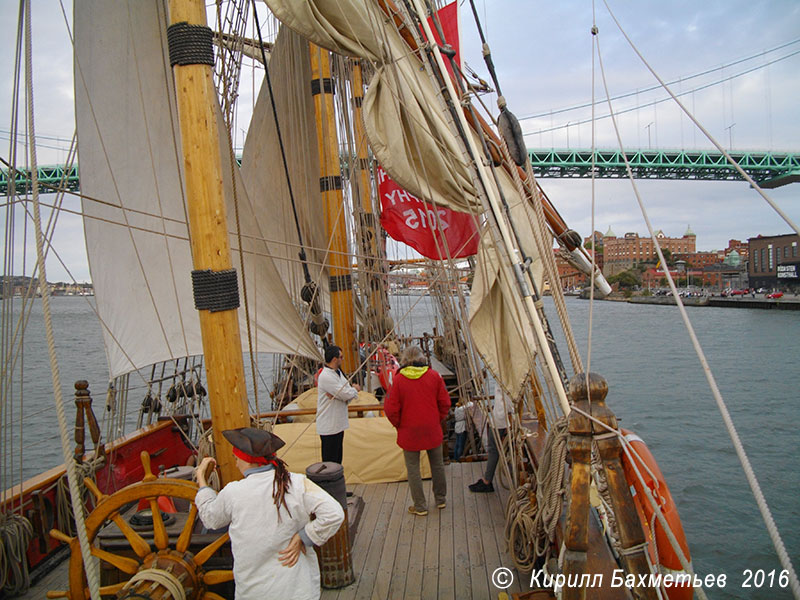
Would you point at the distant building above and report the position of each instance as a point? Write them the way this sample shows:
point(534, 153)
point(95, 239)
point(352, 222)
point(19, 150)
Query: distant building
point(700, 260)
point(743, 248)
point(621, 254)
point(723, 275)
point(774, 262)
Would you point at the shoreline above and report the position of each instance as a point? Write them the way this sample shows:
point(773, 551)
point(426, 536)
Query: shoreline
point(736, 302)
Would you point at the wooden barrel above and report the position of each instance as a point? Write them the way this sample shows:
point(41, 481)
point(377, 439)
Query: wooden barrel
point(335, 560)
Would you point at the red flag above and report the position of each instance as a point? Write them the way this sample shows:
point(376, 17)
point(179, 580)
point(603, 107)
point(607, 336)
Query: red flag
point(424, 227)
point(448, 19)
point(408, 219)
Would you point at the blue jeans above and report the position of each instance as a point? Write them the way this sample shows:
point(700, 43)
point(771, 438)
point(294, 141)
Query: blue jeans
point(461, 439)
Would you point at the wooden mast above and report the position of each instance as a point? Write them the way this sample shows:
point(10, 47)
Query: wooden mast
point(208, 230)
point(378, 322)
point(330, 181)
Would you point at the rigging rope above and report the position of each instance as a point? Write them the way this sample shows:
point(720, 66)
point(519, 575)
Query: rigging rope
point(90, 564)
point(731, 428)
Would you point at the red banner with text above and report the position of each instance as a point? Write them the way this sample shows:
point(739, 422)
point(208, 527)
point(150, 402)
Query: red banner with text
point(424, 227)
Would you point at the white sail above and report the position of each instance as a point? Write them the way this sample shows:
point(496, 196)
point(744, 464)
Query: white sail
point(264, 171)
point(137, 236)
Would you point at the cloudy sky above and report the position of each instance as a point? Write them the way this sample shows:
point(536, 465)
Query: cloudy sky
point(737, 64)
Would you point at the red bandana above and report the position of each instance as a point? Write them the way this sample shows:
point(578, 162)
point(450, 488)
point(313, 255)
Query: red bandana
point(259, 460)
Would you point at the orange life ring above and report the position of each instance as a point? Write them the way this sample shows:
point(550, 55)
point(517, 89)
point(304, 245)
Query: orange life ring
point(387, 366)
point(654, 531)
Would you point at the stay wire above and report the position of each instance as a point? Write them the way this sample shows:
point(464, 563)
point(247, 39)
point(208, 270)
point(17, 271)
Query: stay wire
point(731, 428)
point(90, 564)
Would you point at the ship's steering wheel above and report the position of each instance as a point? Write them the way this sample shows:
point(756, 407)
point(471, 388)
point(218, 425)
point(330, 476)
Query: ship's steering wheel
point(178, 572)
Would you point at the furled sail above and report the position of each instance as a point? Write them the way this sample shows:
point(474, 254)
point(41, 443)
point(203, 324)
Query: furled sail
point(137, 234)
point(414, 142)
point(264, 173)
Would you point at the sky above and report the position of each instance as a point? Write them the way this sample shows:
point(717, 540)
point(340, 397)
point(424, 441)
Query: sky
point(544, 57)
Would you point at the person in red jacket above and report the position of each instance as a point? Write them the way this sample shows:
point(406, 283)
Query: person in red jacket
point(416, 406)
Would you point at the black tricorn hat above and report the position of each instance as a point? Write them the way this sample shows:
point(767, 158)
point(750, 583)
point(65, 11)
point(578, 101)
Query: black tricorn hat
point(252, 441)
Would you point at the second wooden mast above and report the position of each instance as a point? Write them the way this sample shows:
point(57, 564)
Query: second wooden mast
point(338, 254)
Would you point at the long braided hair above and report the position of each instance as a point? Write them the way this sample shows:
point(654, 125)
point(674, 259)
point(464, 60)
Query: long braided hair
point(280, 485)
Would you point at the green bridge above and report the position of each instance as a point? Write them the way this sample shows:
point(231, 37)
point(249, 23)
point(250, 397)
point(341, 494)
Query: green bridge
point(768, 169)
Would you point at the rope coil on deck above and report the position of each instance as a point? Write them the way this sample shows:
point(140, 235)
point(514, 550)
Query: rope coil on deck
point(530, 527)
point(16, 532)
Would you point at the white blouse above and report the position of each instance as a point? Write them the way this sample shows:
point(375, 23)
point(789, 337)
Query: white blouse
point(258, 533)
point(333, 395)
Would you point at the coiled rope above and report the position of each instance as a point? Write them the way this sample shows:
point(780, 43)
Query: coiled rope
point(16, 532)
point(158, 577)
point(521, 515)
point(530, 530)
point(90, 564)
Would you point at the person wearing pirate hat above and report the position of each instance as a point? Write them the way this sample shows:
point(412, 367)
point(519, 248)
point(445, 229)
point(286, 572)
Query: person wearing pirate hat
point(269, 541)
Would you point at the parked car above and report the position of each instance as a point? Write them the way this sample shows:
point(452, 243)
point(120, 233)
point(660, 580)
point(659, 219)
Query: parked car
point(738, 292)
point(762, 290)
point(775, 295)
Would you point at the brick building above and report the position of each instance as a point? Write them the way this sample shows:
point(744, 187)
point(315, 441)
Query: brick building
point(571, 277)
point(774, 262)
point(699, 260)
point(621, 254)
point(743, 248)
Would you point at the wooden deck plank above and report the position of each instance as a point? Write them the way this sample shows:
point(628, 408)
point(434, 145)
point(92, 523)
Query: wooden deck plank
point(380, 562)
point(423, 527)
point(378, 535)
point(364, 539)
point(463, 584)
point(477, 560)
point(486, 526)
point(388, 549)
point(56, 579)
point(403, 549)
point(497, 509)
point(437, 578)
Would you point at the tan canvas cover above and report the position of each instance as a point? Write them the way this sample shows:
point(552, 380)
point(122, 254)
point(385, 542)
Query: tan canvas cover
point(371, 453)
point(137, 241)
point(308, 400)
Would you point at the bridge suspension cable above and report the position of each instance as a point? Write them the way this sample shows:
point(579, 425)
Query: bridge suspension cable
point(679, 80)
point(654, 102)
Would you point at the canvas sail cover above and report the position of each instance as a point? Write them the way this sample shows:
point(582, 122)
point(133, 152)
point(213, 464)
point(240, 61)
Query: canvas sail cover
point(264, 171)
point(408, 131)
point(137, 235)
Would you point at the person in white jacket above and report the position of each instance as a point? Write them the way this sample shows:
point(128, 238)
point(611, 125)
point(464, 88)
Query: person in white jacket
point(268, 518)
point(334, 393)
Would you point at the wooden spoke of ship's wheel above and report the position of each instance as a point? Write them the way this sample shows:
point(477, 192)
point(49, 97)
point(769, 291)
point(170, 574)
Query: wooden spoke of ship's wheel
point(177, 564)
